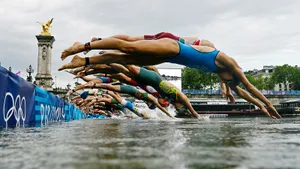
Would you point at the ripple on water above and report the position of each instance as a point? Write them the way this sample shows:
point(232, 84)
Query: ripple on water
point(94, 143)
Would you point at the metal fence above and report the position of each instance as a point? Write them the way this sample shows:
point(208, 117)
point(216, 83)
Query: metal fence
point(219, 92)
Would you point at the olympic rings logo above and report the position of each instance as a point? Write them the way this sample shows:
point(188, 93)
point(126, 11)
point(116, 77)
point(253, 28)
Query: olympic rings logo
point(51, 114)
point(16, 109)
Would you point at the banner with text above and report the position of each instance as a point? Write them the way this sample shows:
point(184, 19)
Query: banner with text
point(22, 103)
point(16, 99)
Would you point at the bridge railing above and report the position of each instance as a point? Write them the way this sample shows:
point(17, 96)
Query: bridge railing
point(219, 92)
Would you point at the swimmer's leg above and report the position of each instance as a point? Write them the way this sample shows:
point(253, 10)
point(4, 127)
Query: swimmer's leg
point(162, 48)
point(108, 58)
point(136, 111)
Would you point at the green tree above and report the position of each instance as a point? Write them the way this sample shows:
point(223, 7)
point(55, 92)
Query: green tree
point(261, 82)
point(193, 79)
point(283, 74)
point(296, 79)
point(251, 79)
point(257, 82)
point(209, 80)
point(269, 83)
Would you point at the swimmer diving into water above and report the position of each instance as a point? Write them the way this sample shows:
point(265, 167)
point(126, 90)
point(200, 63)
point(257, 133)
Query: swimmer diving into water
point(151, 52)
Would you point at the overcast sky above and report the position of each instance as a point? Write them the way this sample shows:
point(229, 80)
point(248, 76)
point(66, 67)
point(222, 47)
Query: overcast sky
point(254, 32)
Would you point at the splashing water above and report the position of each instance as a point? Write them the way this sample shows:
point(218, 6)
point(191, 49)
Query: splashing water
point(206, 117)
point(156, 114)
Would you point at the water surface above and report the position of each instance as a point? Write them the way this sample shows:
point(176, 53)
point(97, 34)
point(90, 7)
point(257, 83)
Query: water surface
point(95, 143)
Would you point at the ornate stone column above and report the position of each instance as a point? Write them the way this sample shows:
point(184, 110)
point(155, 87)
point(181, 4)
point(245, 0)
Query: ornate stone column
point(43, 77)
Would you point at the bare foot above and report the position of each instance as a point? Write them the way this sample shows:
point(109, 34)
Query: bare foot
point(80, 75)
point(70, 71)
point(77, 61)
point(75, 48)
point(90, 84)
point(75, 71)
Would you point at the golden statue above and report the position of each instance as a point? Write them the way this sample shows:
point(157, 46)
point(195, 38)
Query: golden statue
point(46, 27)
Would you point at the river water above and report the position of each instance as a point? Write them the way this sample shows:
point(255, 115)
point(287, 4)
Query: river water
point(155, 144)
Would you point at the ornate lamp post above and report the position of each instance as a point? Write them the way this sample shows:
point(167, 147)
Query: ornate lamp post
point(68, 86)
point(29, 71)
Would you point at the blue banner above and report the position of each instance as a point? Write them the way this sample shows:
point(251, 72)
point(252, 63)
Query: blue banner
point(22, 103)
point(16, 99)
point(48, 108)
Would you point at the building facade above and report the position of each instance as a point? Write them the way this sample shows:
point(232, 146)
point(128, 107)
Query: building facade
point(171, 73)
point(266, 72)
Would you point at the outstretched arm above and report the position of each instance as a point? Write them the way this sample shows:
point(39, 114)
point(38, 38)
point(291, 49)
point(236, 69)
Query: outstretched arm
point(250, 87)
point(234, 67)
point(260, 96)
point(159, 106)
point(185, 101)
point(243, 94)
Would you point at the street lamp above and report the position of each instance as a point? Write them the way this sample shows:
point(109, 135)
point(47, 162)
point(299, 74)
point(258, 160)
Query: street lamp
point(68, 86)
point(29, 71)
